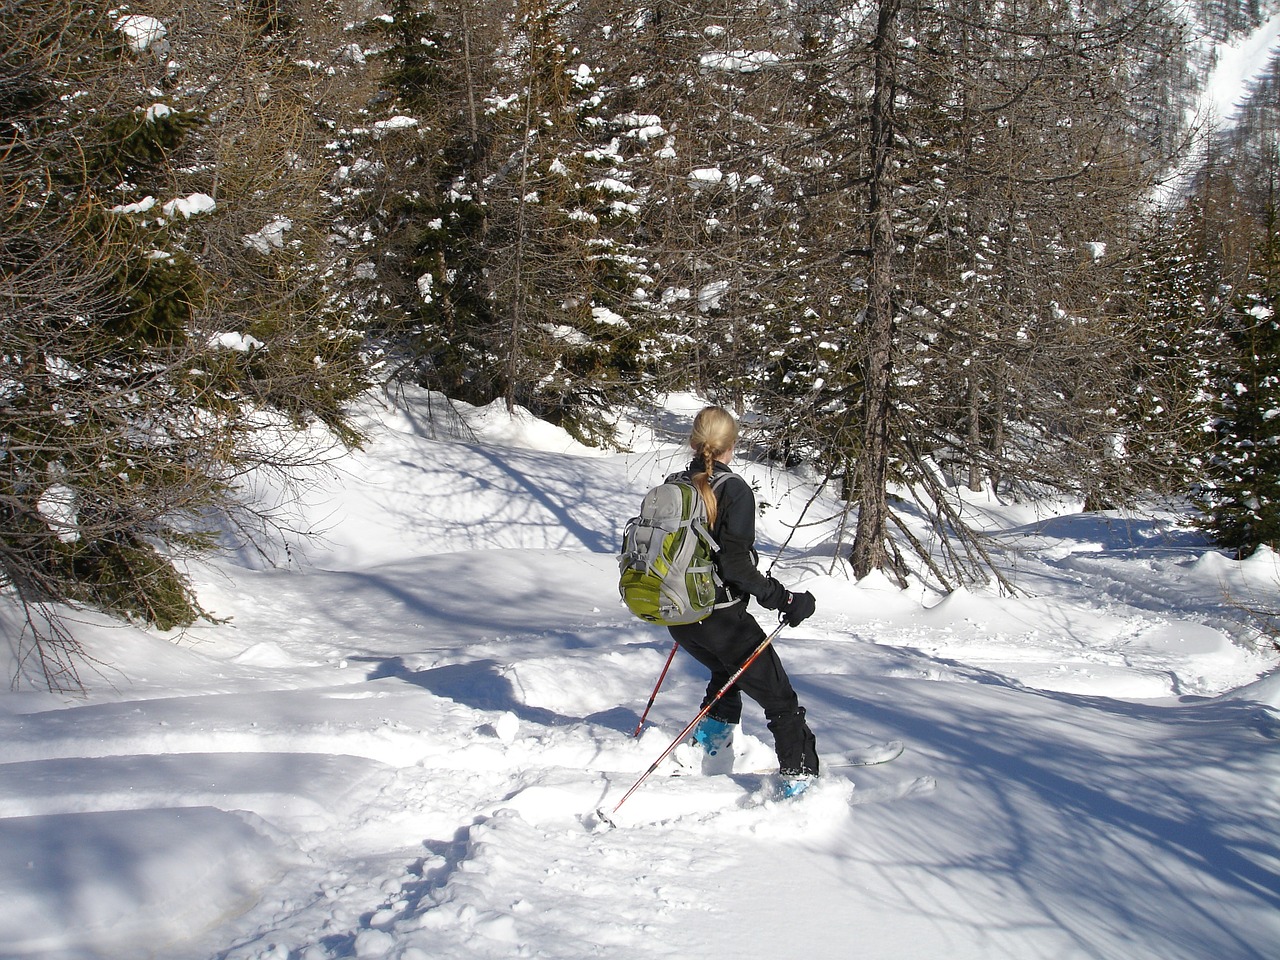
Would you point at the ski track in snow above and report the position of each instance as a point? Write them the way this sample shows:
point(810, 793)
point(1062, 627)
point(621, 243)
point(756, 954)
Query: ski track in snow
point(397, 751)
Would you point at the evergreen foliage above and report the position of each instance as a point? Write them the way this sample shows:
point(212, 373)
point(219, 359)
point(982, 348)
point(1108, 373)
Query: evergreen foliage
point(1243, 475)
point(1170, 303)
point(502, 195)
point(127, 411)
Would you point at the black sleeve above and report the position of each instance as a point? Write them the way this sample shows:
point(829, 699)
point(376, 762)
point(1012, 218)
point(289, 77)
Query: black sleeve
point(735, 532)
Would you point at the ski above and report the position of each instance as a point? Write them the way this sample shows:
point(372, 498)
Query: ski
point(765, 795)
point(868, 756)
point(913, 787)
point(691, 761)
point(871, 755)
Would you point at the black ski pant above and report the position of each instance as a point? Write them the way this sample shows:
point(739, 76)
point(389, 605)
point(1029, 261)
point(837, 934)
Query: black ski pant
point(721, 643)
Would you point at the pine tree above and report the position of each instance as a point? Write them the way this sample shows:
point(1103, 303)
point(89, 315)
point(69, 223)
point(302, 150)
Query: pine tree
point(1243, 492)
point(139, 358)
point(97, 315)
point(1170, 310)
point(509, 205)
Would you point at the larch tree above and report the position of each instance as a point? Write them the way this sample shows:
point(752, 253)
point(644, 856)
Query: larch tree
point(1004, 161)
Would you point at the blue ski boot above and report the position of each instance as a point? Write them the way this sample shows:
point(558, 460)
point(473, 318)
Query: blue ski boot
point(794, 785)
point(713, 735)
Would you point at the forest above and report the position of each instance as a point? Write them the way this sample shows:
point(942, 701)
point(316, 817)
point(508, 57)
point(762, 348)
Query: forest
point(923, 245)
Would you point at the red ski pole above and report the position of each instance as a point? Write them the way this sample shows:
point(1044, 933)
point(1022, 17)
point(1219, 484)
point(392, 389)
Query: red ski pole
point(702, 713)
point(654, 696)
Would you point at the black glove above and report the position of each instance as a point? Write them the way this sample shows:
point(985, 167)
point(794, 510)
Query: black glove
point(797, 607)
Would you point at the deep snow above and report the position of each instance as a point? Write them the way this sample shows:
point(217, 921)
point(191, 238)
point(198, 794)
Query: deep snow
point(397, 744)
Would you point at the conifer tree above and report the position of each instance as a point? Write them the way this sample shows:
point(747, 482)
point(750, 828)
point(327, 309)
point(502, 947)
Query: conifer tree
point(134, 391)
point(1242, 499)
point(1170, 310)
point(504, 209)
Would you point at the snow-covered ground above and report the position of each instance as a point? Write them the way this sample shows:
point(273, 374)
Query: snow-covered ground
point(397, 744)
point(1239, 66)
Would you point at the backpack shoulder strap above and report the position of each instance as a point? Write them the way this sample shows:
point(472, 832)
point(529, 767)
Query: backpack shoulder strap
point(717, 481)
point(684, 476)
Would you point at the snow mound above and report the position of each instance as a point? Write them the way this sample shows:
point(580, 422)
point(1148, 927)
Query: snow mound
point(1264, 690)
point(114, 880)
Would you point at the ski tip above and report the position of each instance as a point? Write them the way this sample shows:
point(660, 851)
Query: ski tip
point(599, 821)
point(871, 755)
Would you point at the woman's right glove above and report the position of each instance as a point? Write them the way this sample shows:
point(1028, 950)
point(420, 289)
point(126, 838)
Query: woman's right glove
point(797, 607)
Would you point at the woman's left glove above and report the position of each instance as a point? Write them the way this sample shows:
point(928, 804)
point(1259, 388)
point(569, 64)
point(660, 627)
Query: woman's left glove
point(797, 607)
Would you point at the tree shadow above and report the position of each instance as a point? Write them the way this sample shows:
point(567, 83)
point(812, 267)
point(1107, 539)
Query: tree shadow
point(1086, 806)
point(482, 685)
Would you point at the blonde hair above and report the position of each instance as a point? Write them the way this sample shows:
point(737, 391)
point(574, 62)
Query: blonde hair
point(714, 433)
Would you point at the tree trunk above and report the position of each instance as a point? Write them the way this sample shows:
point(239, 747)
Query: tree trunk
point(975, 434)
point(519, 294)
point(870, 548)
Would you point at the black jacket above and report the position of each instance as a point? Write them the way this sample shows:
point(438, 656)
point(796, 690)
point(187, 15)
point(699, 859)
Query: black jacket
point(735, 532)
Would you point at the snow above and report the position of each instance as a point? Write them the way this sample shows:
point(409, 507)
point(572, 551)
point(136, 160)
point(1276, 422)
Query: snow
point(710, 296)
point(237, 342)
point(612, 185)
point(607, 316)
point(143, 33)
point(1239, 66)
point(739, 61)
point(400, 122)
point(190, 206)
point(396, 743)
point(643, 127)
point(57, 507)
point(140, 206)
point(270, 237)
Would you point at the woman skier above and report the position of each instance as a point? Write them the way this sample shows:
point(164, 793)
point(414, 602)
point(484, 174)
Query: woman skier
point(724, 640)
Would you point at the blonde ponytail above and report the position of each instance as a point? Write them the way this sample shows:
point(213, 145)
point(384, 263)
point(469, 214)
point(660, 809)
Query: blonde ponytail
point(714, 433)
